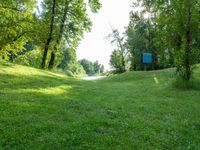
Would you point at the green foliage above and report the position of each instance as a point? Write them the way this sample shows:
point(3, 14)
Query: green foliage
point(16, 26)
point(91, 68)
point(68, 23)
point(75, 68)
point(171, 33)
point(116, 61)
point(121, 53)
point(68, 62)
point(184, 32)
point(67, 55)
point(32, 58)
point(137, 40)
point(143, 35)
point(95, 5)
point(87, 66)
point(60, 23)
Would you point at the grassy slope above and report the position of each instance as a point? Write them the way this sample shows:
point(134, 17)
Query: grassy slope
point(136, 110)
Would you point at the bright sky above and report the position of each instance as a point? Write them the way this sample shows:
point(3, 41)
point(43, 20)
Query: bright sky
point(94, 46)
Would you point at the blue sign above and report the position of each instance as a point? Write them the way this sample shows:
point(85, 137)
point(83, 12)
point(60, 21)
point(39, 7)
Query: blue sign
point(147, 58)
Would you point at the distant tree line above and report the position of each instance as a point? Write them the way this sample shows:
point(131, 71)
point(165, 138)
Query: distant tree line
point(170, 30)
point(91, 68)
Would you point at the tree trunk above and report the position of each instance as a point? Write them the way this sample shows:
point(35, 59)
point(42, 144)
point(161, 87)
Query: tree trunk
point(57, 44)
point(188, 47)
point(47, 44)
point(123, 55)
point(52, 60)
point(123, 63)
point(45, 53)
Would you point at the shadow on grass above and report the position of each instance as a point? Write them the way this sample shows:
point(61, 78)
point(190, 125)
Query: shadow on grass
point(4, 64)
point(50, 111)
point(38, 110)
point(193, 84)
point(41, 90)
point(33, 82)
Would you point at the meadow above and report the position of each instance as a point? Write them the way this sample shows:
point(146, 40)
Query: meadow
point(135, 110)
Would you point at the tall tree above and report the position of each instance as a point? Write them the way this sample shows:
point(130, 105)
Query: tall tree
point(49, 39)
point(69, 21)
point(174, 33)
point(182, 22)
point(59, 37)
point(141, 36)
point(69, 16)
point(115, 38)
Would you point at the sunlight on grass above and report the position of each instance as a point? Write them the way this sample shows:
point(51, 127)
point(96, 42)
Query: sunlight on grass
point(156, 80)
point(28, 71)
point(40, 110)
point(58, 90)
point(55, 90)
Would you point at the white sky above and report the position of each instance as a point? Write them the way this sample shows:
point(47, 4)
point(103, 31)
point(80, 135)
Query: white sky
point(94, 46)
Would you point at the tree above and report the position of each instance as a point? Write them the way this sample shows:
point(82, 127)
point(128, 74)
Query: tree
point(122, 52)
point(137, 39)
point(91, 68)
point(102, 69)
point(16, 24)
point(50, 36)
point(142, 36)
point(67, 56)
point(116, 61)
point(87, 66)
point(180, 21)
point(70, 28)
point(74, 15)
point(97, 67)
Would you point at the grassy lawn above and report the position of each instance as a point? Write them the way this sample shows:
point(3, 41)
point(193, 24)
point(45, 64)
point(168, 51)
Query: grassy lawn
point(136, 110)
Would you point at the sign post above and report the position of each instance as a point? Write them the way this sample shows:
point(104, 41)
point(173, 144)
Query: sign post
point(147, 59)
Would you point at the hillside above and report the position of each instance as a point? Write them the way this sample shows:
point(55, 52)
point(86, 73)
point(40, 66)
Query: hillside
point(135, 110)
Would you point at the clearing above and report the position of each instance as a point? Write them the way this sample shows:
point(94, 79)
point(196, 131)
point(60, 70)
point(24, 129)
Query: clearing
point(135, 110)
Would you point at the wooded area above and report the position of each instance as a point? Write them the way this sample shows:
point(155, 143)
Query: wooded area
point(46, 39)
point(170, 30)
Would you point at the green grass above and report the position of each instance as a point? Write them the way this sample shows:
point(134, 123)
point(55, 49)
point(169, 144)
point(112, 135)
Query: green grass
point(135, 110)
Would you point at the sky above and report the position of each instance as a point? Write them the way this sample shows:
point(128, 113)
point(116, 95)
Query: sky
point(113, 14)
point(94, 46)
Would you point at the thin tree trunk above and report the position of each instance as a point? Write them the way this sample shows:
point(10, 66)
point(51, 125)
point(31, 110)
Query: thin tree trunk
point(46, 48)
point(57, 45)
point(188, 47)
point(123, 57)
point(123, 63)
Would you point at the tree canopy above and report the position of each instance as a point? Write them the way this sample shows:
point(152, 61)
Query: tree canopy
point(170, 30)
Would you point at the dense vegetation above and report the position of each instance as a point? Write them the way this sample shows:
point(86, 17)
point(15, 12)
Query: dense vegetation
point(92, 68)
point(135, 110)
point(46, 38)
point(170, 30)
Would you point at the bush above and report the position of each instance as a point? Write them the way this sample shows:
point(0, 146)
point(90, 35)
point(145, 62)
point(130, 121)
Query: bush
point(74, 68)
point(32, 58)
